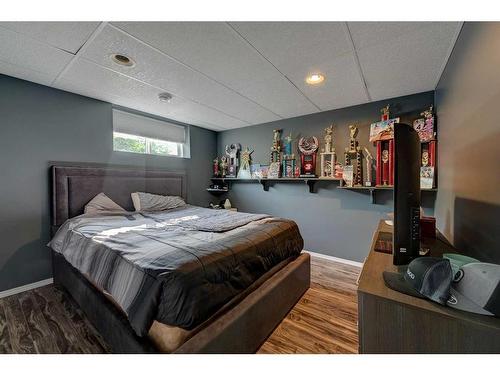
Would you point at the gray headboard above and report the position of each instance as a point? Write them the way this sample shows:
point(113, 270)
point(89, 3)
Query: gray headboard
point(74, 186)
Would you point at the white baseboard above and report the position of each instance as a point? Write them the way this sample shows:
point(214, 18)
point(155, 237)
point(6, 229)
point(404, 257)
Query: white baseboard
point(24, 288)
point(335, 259)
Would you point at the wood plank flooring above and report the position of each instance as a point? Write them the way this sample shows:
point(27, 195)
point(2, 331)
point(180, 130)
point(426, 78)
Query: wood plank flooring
point(325, 318)
point(46, 320)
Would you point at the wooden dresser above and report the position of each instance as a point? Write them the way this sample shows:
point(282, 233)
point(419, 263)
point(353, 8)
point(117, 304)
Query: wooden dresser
point(392, 322)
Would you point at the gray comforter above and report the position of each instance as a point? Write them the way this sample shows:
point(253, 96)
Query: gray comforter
point(178, 266)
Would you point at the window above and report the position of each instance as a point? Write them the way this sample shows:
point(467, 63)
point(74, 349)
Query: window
point(146, 135)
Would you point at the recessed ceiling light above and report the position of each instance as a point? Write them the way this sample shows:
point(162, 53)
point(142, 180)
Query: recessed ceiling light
point(122, 59)
point(165, 97)
point(315, 78)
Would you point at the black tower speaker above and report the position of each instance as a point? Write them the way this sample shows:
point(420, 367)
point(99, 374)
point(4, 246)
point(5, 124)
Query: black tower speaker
point(407, 159)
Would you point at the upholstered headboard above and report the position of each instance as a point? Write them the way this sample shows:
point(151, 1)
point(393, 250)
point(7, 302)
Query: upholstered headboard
point(74, 186)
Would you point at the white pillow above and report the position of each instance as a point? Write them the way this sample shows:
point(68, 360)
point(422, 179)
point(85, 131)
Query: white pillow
point(102, 203)
point(154, 202)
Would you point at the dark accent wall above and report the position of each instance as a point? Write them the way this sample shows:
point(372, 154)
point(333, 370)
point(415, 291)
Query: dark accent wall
point(334, 222)
point(467, 100)
point(40, 125)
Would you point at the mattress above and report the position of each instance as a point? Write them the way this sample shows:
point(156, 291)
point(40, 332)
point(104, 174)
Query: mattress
point(176, 267)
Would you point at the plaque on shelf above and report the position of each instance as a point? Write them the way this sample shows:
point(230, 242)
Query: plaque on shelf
point(274, 170)
point(348, 175)
point(254, 170)
point(426, 177)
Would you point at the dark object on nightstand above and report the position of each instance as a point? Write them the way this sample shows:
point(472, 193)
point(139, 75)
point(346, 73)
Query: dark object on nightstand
point(428, 227)
point(383, 243)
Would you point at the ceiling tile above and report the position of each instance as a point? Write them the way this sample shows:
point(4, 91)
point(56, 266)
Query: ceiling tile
point(26, 74)
point(68, 36)
point(19, 53)
point(298, 49)
point(215, 49)
point(405, 63)
point(370, 34)
point(297, 46)
point(159, 70)
point(89, 79)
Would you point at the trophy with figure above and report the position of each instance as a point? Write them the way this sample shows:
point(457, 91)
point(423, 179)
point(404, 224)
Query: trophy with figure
point(328, 155)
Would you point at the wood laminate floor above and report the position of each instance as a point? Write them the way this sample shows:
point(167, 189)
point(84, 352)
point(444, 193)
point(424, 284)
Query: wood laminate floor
point(46, 320)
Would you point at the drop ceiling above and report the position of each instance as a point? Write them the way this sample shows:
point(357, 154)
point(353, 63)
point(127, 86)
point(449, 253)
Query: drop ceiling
point(226, 75)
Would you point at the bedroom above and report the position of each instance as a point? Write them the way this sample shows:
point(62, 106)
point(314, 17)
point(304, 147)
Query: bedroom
point(230, 171)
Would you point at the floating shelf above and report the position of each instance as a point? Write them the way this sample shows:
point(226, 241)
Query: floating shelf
point(217, 191)
point(372, 190)
point(310, 182)
point(265, 182)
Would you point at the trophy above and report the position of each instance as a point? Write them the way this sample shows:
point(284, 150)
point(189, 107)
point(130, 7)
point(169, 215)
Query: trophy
point(275, 160)
point(232, 153)
point(244, 171)
point(223, 166)
point(288, 163)
point(385, 113)
point(382, 133)
point(328, 156)
point(347, 157)
point(385, 167)
point(358, 178)
point(216, 167)
point(425, 158)
point(308, 148)
point(368, 160)
point(353, 143)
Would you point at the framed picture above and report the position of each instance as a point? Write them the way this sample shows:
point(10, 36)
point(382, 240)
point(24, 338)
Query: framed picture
point(383, 130)
point(254, 168)
point(274, 170)
point(426, 177)
point(261, 172)
point(348, 175)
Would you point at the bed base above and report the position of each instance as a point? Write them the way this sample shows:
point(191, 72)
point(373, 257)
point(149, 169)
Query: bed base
point(242, 329)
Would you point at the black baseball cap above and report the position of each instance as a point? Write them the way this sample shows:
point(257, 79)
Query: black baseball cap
point(424, 277)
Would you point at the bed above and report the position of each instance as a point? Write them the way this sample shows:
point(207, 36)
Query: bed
point(188, 280)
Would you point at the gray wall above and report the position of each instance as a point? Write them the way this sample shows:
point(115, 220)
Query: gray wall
point(467, 99)
point(333, 222)
point(40, 125)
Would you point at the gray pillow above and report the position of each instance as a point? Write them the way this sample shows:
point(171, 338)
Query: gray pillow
point(154, 202)
point(102, 203)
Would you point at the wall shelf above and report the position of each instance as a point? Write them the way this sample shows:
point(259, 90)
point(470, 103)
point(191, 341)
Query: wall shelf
point(373, 189)
point(217, 191)
point(266, 182)
point(310, 182)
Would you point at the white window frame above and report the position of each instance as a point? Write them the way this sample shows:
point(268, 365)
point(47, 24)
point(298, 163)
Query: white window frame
point(183, 149)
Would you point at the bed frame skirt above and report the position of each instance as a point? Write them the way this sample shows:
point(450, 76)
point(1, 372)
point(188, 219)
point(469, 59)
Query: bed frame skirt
point(242, 329)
